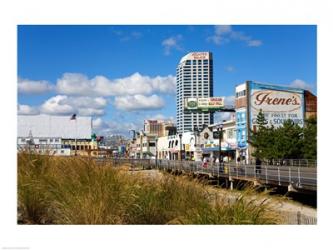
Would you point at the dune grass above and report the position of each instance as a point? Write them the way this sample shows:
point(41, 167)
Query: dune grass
point(55, 190)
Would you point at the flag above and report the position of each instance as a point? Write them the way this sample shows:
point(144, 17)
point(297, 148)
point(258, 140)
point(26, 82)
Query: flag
point(73, 117)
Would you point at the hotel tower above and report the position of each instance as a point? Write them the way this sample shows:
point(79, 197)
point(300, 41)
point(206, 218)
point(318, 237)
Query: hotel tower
point(194, 79)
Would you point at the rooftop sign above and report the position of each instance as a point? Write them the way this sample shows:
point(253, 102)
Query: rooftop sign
point(204, 104)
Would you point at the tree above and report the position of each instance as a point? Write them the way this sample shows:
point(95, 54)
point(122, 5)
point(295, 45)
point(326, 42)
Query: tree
point(289, 141)
point(261, 120)
point(259, 138)
point(310, 138)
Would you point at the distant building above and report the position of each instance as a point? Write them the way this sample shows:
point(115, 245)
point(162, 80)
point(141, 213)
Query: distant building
point(199, 144)
point(142, 146)
point(59, 135)
point(194, 79)
point(310, 104)
point(114, 141)
point(158, 127)
point(169, 147)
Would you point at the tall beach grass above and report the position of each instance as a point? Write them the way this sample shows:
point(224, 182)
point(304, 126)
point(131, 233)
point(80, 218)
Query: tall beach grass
point(56, 190)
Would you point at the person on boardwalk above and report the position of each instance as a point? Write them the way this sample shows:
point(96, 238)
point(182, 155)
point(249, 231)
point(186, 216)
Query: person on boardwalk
point(258, 166)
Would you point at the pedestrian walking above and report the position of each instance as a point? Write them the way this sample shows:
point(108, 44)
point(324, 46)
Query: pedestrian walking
point(258, 166)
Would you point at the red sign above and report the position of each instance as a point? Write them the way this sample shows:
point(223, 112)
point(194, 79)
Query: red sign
point(276, 101)
point(200, 55)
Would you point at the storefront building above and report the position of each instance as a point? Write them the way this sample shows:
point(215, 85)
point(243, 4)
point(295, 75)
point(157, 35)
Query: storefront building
point(278, 104)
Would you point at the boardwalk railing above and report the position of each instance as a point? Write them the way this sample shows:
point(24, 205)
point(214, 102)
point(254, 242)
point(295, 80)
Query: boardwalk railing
point(297, 178)
point(290, 162)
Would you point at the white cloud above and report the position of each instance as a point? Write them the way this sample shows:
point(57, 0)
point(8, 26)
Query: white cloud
point(64, 105)
point(225, 116)
point(78, 84)
point(26, 86)
point(90, 112)
point(136, 34)
point(229, 100)
point(27, 110)
point(221, 33)
point(87, 102)
point(57, 106)
point(127, 36)
point(222, 29)
point(225, 33)
point(160, 117)
point(102, 127)
point(254, 43)
point(138, 102)
point(99, 124)
point(73, 83)
point(301, 84)
point(230, 68)
point(172, 43)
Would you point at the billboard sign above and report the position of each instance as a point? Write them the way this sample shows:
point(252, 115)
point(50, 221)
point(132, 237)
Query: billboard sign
point(278, 104)
point(191, 103)
point(200, 55)
point(204, 103)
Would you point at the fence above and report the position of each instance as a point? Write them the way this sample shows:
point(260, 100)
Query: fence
point(289, 162)
point(294, 177)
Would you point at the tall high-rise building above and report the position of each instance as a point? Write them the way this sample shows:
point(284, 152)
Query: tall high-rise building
point(194, 79)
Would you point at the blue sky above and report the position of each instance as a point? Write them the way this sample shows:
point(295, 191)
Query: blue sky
point(121, 75)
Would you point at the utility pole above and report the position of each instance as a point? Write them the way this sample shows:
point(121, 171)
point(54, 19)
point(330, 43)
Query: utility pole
point(73, 117)
point(141, 155)
point(156, 140)
point(75, 137)
point(181, 146)
point(220, 130)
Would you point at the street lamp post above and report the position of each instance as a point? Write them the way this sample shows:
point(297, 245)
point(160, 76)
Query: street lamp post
point(75, 137)
point(196, 135)
point(141, 141)
point(156, 140)
point(181, 146)
point(220, 130)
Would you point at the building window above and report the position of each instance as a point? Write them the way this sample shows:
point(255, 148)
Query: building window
point(230, 134)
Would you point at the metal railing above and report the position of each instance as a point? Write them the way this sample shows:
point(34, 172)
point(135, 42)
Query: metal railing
point(292, 176)
point(289, 162)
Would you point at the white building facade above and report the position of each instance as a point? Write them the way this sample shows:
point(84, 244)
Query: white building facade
point(194, 79)
point(48, 134)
